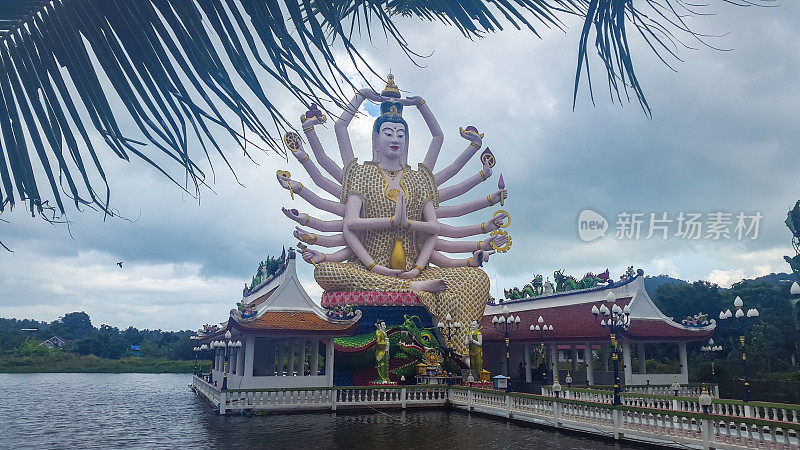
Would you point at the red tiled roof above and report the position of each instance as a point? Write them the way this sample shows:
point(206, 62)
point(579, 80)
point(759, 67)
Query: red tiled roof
point(294, 321)
point(576, 323)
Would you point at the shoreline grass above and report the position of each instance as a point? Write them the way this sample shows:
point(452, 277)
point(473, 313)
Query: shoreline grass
point(71, 363)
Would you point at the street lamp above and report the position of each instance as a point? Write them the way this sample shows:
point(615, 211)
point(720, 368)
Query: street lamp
point(712, 349)
point(675, 387)
point(705, 400)
point(556, 387)
point(449, 330)
point(542, 328)
point(229, 348)
point(617, 320)
point(506, 323)
point(196, 351)
point(740, 315)
point(203, 348)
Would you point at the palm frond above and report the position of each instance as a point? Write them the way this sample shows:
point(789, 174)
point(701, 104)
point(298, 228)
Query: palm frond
point(178, 69)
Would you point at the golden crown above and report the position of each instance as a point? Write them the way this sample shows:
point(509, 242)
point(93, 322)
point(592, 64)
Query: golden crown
point(391, 89)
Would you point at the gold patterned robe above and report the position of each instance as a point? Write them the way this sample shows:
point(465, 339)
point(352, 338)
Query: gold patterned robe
point(467, 287)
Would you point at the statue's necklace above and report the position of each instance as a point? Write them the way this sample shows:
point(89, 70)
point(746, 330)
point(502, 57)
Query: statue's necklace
point(392, 194)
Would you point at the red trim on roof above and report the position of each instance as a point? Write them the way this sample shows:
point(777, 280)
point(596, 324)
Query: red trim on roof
point(293, 322)
point(577, 323)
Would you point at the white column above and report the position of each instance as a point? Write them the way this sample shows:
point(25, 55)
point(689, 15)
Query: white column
point(587, 355)
point(249, 355)
point(292, 354)
point(315, 357)
point(574, 353)
point(329, 362)
point(527, 349)
point(270, 367)
point(301, 361)
point(553, 362)
point(281, 355)
point(641, 355)
point(626, 361)
point(684, 362)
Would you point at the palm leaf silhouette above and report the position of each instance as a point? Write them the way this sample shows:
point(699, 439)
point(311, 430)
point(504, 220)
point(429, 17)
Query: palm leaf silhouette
point(70, 69)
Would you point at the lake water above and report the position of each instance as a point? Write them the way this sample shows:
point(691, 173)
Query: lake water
point(160, 411)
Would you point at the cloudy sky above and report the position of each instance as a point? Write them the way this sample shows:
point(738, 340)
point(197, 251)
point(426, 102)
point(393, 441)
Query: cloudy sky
point(723, 138)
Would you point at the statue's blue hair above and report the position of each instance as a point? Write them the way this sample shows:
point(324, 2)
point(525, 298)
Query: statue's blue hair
point(391, 118)
point(386, 116)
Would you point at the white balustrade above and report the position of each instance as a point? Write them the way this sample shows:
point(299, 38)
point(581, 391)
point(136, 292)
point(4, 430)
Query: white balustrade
point(642, 418)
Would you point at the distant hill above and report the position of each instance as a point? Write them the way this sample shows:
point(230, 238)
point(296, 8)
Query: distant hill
point(775, 278)
point(652, 283)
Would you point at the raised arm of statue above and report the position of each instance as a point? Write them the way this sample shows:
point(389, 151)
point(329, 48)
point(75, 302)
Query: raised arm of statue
point(315, 200)
point(342, 136)
point(472, 230)
point(315, 257)
point(331, 187)
point(462, 188)
point(443, 245)
point(336, 240)
point(309, 221)
point(429, 242)
point(437, 137)
point(475, 205)
point(475, 142)
point(352, 212)
point(323, 159)
point(476, 260)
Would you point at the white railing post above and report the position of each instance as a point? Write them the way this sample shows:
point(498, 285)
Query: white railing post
point(223, 402)
point(403, 398)
point(470, 400)
point(707, 433)
point(556, 414)
point(617, 419)
point(334, 393)
point(508, 406)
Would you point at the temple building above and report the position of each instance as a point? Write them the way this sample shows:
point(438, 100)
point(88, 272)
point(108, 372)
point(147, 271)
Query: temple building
point(277, 337)
point(575, 329)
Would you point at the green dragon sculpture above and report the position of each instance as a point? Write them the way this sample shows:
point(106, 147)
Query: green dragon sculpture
point(407, 345)
point(532, 289)
point(569, 283)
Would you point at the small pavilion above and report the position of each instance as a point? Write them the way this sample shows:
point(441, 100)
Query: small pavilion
point(575, 329)
point(277, 337)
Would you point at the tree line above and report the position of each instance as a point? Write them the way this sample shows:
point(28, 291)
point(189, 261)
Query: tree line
point(771, 338)
point(22, 337)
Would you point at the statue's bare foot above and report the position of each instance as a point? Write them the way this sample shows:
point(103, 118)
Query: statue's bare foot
point(434, 286)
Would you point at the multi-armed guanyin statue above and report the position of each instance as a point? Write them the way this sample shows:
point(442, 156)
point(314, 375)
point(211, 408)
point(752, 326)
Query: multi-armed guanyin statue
point(390, 228)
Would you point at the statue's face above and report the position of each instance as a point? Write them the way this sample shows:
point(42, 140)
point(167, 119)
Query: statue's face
point(391, 141)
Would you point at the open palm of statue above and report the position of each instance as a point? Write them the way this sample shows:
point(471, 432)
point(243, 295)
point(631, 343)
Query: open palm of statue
point(390, 231)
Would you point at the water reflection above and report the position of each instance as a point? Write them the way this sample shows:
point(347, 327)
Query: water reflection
point(160, 411)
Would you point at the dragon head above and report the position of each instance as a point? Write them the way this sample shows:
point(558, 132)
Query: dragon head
point(415, 339)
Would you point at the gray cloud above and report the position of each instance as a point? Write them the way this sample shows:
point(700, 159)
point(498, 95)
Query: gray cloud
point(723, 137)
